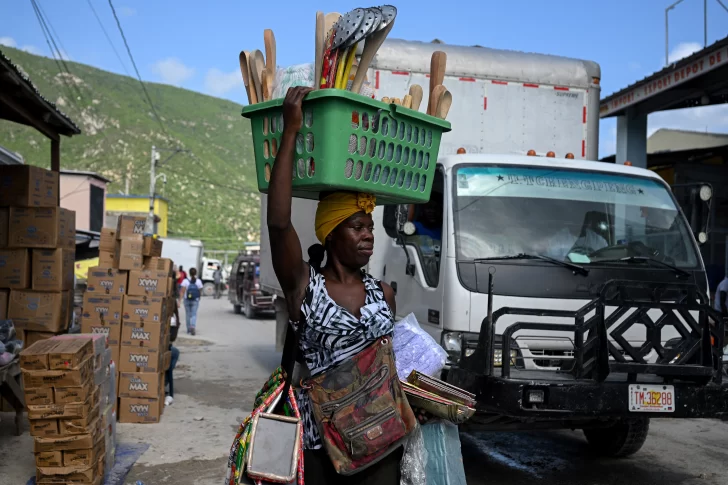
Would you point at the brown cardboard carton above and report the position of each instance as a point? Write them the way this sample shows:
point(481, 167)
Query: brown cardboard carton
point(4, 297)
point(102, 308)
point(140, 359)
point(69, 353)
point(63, 443)
point(140, 384)
point(30, 337)
point(128, 253)
point(142, 334)
point(115, 356)
point(90, 424)
point(82, 458)
point(130, 226)
point(35, 357)
point(53, 269)
point(66, 474)
point(107, 240)
point(106, 280)
point(14, 268)
point(148, 283)
point(112, 331)
point(98, 344)
point(42, 227)
point(49, 458)
point(74, 394)
point(38, 310)
point(65, 411)
point(4, 219)
point(143, 309)
point(28, 186)
point(44, 427)
point(39, 396)
point(152, 247)
point(153, 263)
point(106, 259)
point(166, 361)
point(139, 410)
point(58, 378)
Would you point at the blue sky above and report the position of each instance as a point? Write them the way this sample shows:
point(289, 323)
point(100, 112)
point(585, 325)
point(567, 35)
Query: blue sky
point(196, 47)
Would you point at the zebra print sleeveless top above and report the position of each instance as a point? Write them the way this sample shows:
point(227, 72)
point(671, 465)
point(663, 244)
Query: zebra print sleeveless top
point(332, 334)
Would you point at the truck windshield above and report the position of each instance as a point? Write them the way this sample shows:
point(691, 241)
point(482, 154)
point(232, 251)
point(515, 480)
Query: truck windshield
point(576, 216)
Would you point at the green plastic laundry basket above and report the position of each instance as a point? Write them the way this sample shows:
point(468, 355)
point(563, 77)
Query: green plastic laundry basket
point(353, 143)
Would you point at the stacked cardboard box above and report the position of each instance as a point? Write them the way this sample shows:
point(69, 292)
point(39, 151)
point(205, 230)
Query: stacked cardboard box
point(128, 298)
point(70, 395)
point(37, 249)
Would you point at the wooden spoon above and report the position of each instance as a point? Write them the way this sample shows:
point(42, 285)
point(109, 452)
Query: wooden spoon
point(371, 45)
point(245, 71)
point(436, 95)
point(264, 78)
point(443, 104)
point(320, 34)
point(270, 58)
point(438, 64)
point(417, 94)
point(257, 64)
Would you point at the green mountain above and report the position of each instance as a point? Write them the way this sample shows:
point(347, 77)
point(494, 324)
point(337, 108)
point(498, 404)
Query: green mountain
point(213, 194)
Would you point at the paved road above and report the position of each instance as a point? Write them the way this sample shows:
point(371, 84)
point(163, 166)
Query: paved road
point(222, 367)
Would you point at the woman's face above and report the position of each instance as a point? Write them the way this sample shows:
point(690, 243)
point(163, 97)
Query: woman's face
point(352, 242)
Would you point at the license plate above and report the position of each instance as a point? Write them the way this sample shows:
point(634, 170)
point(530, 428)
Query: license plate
point(651, 399)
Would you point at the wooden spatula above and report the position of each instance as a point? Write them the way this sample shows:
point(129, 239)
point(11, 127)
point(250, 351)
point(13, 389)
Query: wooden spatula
point(270, 59)
point(245, 71)
point(438, 64)
point(443, 104)
point(319, 49)
point(257, 64)
point(371, 45)
point(435, 98)
point(417, 94)
point(329, 20)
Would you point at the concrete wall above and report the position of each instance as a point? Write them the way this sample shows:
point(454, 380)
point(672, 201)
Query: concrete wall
point(75, 193)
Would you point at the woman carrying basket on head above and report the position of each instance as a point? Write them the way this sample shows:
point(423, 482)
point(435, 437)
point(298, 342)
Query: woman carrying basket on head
point(342, 316)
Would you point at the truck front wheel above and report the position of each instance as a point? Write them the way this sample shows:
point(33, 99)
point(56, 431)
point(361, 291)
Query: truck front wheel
point(622, 438)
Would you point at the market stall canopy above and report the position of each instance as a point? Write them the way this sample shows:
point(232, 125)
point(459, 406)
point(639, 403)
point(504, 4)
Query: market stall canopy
point(21, 102)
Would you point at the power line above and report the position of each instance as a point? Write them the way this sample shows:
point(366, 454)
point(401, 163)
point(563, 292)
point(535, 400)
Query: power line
point(128, 50)
point(211, 182)
point(108, 37)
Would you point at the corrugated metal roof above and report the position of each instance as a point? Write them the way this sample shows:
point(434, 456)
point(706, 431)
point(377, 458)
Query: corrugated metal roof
point(61, 118)
point(487, 63)
point(658, 74)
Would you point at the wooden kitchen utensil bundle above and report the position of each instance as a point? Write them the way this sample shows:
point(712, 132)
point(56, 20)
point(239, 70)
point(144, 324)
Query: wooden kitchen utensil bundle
point(259, 73)
point(439, 398)
point(439, 99)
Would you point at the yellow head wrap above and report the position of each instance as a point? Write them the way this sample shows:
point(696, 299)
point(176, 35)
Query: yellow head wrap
point(338, 207)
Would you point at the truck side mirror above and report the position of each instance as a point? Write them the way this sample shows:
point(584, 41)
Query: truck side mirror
point(701, 196)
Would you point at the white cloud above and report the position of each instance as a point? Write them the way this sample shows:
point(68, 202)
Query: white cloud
point(31, 49)
point(219, 83)
point(683, 50)
point(172, 71)
point(127, 11)
point(8, 41)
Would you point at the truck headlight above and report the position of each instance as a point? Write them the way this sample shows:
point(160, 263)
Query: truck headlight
point(498, 357)
point(452, 342)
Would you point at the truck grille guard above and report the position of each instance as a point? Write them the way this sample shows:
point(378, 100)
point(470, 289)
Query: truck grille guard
point(696, 355)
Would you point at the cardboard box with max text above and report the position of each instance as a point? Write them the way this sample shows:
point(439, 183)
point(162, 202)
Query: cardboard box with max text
point(140, 410)
point(28, 186)
point(148, 283)
point(130, 226)
point(140, 359)
point(15, 268)
point(42, 227)
point(144, 309)
point(53, 269)
point(142, 334)
point(140, 384)
point(106, 280)
point(99, 308)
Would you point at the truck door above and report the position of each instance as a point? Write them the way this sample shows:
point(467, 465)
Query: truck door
point(414, 269)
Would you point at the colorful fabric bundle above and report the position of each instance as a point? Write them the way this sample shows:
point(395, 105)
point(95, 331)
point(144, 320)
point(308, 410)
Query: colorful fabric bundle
point(264, 399)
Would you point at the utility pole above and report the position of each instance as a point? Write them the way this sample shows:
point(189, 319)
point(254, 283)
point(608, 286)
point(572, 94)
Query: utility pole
point(152, 181)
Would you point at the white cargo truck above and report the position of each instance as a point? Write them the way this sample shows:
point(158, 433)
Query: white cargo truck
point(568, 293)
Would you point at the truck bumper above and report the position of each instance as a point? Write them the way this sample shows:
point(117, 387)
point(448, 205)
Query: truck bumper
point(583, 399)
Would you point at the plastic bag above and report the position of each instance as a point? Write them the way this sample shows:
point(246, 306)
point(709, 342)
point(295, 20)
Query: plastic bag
point(303, 75)
point(415, 349)
point(414, 460)
point(7, 331)
point(444, 456)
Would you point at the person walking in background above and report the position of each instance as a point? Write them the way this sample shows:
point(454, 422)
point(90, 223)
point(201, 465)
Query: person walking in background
point(181, 275)
point(217, 278)
point(191, 289)
point(168, 375)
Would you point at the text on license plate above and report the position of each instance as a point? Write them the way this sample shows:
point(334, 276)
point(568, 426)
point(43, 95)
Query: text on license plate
point(651, 399)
